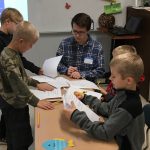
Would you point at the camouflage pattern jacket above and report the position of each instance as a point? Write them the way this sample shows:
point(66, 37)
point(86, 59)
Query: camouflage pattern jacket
point(14, 81)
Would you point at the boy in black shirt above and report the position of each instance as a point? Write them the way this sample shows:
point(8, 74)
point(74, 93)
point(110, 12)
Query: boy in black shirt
point(125, 118)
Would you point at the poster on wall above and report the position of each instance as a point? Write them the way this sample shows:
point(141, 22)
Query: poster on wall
point(21, 5)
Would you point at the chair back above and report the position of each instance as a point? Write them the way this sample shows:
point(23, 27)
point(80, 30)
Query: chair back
point(146, 110)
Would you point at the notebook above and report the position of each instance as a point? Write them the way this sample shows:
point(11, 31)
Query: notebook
point(131, 27)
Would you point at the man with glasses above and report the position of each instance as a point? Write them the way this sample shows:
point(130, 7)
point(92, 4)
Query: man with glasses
point(82, 56)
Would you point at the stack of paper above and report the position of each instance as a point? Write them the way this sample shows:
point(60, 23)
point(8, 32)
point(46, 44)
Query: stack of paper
point(56, 93)
point(56, 82)
point(85, 84)
point(69, 96)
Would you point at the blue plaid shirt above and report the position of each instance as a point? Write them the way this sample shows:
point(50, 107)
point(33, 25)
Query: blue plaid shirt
point(75, 55)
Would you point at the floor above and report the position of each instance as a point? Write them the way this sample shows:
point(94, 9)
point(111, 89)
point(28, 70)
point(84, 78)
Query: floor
point(3, 147)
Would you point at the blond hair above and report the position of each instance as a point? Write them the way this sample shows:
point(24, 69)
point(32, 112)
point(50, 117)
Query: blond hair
point(12, 14)
point(128, 65)
point(124, 49)
point(26, 31)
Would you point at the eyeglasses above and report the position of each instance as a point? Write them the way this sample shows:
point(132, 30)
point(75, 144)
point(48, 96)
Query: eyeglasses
point(80, 33)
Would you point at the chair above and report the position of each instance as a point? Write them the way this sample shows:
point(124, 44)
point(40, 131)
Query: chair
point(146, 110)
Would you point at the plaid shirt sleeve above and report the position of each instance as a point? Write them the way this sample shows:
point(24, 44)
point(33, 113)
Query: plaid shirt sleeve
point(62, 69)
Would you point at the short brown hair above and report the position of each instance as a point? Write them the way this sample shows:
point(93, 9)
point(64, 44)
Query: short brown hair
point(26, 31)
point(124, 49)
point(82, 20)
point(129, 65)
point(12, 14)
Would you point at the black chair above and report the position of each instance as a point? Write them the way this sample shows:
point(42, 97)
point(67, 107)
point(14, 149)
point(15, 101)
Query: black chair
point(146, 110)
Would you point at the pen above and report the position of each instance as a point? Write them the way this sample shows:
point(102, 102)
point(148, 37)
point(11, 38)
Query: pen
point(38, 120)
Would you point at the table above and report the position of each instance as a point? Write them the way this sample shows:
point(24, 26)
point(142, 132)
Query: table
point(53, 124)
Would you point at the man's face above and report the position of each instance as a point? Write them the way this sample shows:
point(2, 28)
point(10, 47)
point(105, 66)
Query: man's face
point(80, 34)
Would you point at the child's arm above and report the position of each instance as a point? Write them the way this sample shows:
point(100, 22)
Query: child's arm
point(40, 86)
point(30, 65)
point(103, 131)
point(44, 104)
point(93, 103)
point(68, 111)
point(45, 87)
point(25, 96)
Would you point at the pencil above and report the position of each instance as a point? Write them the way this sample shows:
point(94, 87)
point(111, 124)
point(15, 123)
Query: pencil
point(84, 92)
point(56, 102)
point(38, 120)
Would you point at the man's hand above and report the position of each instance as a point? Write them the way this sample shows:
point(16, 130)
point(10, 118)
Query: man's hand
point(75, 75)
point(68, 111)
point(45, 87)
point(44, 104)
point(71, 70)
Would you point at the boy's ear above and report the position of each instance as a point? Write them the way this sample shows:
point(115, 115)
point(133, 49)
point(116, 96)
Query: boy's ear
point(21, 40)
point(130, 80)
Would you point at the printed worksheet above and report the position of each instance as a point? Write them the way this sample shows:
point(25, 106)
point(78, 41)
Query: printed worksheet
point(57, 82)
point(56, 93)
point(85, 84)
point(41, 78)
point(69, 96)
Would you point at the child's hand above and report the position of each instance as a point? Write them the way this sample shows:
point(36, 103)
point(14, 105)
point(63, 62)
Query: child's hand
point(45, 87)
point(103, 91)
point(68, 111)
point(44, 104)
point(79, 94)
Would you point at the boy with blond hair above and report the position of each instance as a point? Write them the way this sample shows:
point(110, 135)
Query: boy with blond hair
point(122, 49)
point(9, 19)
point(109, 93)
point(125, 118)
point(14, 90)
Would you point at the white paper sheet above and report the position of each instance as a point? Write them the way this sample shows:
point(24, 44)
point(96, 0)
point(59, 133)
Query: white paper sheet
point(57, 82)
point(50, 66)
point(69, 96)
point(85, 84)
point(42, 78)
point(56, 93)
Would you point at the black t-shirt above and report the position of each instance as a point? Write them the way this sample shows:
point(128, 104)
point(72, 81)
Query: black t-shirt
point(5, 39)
